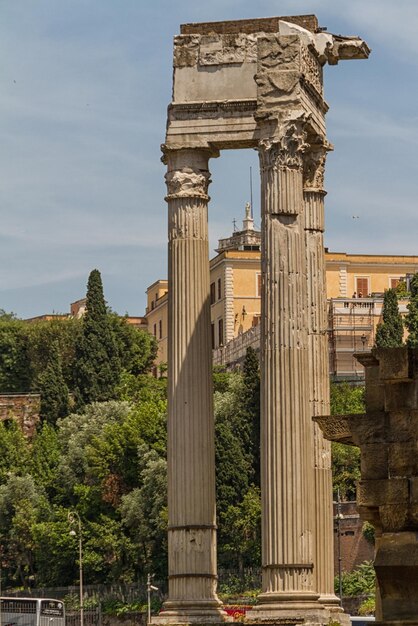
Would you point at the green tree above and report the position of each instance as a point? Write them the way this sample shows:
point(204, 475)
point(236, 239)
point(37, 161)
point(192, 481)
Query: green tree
point(22, 504)
point(42, 339)
point(75, 478)
point(389, 333)
point(137, 348)
point(45, 456)
point(54, 392)
point(402, 290)
point(411, 319)
point(360, 581)
point(7, 317)
point(251, 408)
point(15, 371)
point(240, 540)
point(55, 551)
point(97, 365)
point(144, 515)
point(14, 451)
point(346, 399)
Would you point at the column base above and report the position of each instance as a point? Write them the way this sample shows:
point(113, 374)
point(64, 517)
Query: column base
point(333, 604)
point(187, 612)
point(289, 608)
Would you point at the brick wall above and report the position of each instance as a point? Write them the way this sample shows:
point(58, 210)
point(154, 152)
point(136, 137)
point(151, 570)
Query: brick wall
point(355, 549)
point(263, 24)
point(22, 407)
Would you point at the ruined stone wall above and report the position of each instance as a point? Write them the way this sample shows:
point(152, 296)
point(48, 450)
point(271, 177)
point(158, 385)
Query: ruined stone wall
point(23, 408)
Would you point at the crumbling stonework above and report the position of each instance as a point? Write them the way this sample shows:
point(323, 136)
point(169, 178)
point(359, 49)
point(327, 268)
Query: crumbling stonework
point(387, 496)
point(23, 408)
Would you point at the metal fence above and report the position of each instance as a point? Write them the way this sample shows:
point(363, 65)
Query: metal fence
point(91, 617)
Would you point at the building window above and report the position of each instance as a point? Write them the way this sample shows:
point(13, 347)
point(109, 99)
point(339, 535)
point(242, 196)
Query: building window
point(219, 289)
point(160, 329)
point(212, 293)
point(258, 285)
point(212, 335)
point(221, 332)
point(155, 330)
point(362, 286)
point(394, 282)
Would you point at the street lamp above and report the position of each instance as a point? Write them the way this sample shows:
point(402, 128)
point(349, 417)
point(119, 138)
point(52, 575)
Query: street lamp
point(150, 588)
point(73, 518)
point(338, 518)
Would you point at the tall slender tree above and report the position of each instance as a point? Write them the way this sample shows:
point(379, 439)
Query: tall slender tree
point(97, 366)
point(411, 319)
point(251, 407)
point(389, 333)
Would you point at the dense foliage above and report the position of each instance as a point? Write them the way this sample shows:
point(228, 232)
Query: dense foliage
point(389, 332)
point(90, 356)
point(411, 319)
point(346, 399)
point(106, 458)
point(360, 581)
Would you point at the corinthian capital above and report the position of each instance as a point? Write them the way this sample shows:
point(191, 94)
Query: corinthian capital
point(285, 150)
point(314, 166)
point(187, 182)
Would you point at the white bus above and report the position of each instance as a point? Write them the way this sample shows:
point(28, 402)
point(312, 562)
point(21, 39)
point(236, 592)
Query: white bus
point(31, 612)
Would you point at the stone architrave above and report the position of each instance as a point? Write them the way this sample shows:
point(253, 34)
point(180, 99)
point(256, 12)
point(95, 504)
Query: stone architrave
point(191, 456)
point(314, 194)
point(248, 84)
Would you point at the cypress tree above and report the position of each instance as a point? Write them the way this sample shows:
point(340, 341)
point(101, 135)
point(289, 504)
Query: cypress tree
point(97, 365)
point(411, 319)
point(251, 407)
point(389, 333)
point(54, 391)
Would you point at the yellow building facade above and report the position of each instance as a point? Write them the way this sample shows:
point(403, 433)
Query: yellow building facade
point(156, 315)
point(355, 285)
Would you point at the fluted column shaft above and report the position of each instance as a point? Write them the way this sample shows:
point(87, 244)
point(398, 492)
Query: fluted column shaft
point(314, 167)
point(190, 447)
point(287, 524)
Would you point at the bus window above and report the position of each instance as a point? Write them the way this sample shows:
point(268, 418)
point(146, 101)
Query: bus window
point(31, 612)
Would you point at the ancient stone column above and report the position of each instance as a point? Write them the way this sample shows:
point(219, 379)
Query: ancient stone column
point(191, 457)
point(314, 167)
point(286, 431)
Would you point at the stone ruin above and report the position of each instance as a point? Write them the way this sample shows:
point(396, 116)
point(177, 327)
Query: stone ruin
point(387, 495)
point(253, 84)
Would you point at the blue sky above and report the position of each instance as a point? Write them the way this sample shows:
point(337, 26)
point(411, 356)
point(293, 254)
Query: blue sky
point(84, 86)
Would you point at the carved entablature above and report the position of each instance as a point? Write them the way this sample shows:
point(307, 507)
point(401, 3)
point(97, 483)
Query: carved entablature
point(312, 69)
point(230, 48)
point(188, 182)
point(286, 150)
point(278, 72)
point(212, 110)
point(209, 50)
point(335, 428)
point(186, 50)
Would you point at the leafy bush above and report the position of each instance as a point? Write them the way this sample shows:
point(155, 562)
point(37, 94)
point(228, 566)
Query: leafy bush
point(368, 607)
point(360, 581)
